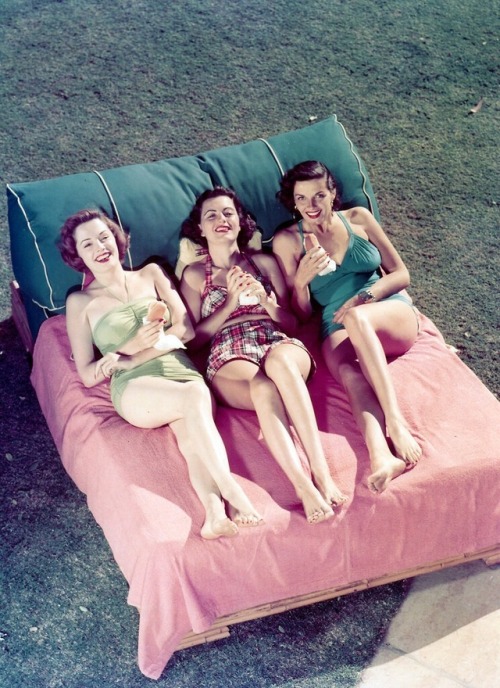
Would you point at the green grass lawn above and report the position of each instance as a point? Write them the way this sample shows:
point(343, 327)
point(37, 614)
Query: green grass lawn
point(89, 85)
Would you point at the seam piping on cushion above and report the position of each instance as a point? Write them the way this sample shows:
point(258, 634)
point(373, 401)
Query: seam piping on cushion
point(363, 176)
point(44, 266)
point(280, 168)
point(115, 210)
point(273, 153)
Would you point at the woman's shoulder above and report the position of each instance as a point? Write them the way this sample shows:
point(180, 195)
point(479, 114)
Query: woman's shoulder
point(289, 231)
point(261, 258)
point(149, 270)
point(79, 297)
point(362, 222)
point(287, 236)
point(358, 215)
point(78, 303)
point(195, 272)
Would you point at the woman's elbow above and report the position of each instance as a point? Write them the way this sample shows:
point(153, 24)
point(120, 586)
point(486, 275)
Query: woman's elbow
point(406, 278)
point(88, 381)
point(189, 333)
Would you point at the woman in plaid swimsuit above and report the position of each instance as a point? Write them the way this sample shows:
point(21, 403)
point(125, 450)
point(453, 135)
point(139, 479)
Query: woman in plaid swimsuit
point(237, 303)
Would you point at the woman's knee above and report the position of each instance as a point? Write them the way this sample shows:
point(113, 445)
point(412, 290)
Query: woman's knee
point(285, 362)
point(262, 390)
point(356, 320)
point(195, 397)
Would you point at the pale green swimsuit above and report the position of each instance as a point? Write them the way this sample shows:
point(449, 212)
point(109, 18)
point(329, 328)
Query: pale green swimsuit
point(115, 328)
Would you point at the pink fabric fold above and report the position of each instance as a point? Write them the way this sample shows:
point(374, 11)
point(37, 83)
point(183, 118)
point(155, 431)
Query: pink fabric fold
point(138, 490)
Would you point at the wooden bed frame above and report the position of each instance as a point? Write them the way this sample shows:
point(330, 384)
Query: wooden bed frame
point(221, 628)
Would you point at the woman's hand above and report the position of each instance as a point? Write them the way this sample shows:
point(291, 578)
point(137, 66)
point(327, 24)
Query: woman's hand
point(240, 282)
point(311, 264)
point(110, 363)
point(339, 315)
point(145, 338)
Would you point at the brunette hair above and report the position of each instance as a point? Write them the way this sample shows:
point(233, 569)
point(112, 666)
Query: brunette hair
point(67, 244)
point(191, 227)
point(304, 172)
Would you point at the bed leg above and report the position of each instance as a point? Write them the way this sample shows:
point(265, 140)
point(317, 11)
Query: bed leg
point(214, 633)
point(492, 560)
point(19, 316)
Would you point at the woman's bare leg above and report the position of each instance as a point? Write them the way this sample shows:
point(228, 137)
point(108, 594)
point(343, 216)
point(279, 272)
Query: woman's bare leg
point(151, 402)
point(342, 364)
point(216, 523)
point(288, 366)
point(376, 330)
point(243, 385)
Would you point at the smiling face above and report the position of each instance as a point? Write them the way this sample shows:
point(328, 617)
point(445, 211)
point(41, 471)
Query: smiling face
point(95, 244)
point(314, 200)
point(219, 218)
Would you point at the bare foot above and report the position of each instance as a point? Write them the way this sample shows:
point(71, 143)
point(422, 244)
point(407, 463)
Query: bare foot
point(245, 520)
point(406, 446)
point(217, 524)
point(329, 490)
point(220, 527)
point(315, 506)
point(388, 469)
point(240, 507)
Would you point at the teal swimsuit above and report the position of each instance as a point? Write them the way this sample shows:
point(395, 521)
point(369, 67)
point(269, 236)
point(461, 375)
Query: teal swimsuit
point(359, 270)
point(119, 325)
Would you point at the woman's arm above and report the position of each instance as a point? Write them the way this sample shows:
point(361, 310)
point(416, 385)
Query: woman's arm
point(298, 272)
point(278, 308)
point(152, 278)
point(92, 371)
point(80, 337)
point(192, 283)
point(181, 324)
point(396, 276)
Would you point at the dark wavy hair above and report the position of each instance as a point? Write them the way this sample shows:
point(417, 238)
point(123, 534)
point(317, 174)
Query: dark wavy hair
point(67, 244)
point(304, 172)
point(191, 227)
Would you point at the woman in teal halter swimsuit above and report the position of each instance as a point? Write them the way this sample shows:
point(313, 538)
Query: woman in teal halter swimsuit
point(252, 363)
point(150, 386)
point(366, 314)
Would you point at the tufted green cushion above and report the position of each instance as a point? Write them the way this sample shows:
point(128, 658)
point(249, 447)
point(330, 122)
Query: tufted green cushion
point(254, 169)
point(152, 200)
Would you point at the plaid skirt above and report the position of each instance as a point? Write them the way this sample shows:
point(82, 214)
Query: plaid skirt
point(250, 340)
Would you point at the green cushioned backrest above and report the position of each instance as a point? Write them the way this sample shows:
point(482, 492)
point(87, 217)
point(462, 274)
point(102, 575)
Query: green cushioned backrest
point(252, 172)
point(152, 200)
point(36, 212)
point(254, 169)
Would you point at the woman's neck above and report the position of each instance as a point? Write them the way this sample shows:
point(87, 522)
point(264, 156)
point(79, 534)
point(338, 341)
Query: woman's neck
point(223, 258)
point(327, 227)
point(114, 283)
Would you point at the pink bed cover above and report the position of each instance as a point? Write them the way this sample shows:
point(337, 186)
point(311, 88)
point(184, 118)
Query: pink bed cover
point(138, 491)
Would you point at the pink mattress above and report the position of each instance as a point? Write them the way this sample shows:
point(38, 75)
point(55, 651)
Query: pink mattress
point(138, 491)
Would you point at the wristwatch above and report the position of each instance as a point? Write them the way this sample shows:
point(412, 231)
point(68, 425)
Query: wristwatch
point(366, 296)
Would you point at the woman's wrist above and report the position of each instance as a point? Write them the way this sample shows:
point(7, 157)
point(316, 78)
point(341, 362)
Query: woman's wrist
point(366, 296)
point(267, 302)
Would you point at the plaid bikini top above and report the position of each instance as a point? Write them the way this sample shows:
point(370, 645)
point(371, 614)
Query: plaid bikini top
point(214, 295)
